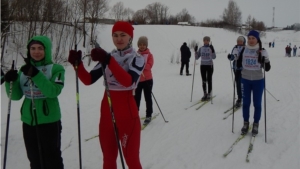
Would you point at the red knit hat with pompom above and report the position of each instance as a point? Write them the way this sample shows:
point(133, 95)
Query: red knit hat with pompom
point(124, 27)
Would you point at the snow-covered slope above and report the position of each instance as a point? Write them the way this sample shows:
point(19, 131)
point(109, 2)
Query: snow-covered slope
point(192, 139)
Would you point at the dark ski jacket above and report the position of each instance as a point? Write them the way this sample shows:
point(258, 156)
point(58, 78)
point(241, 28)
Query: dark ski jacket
point(185, 53)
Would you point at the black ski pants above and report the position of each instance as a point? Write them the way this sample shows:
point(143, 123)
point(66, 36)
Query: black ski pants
point(186, 64)
point(145, 86)
point(50, 141)
point(206, 75)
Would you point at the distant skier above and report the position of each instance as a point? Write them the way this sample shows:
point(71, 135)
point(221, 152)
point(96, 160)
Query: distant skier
point(253, 58)
point(241, 41)
point(294, 50)
point(273, 44)
point(287, 51)
point(185, 58)
point(207, 54)
point(270, 44)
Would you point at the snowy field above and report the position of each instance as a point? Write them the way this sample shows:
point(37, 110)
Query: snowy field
point(193, 139)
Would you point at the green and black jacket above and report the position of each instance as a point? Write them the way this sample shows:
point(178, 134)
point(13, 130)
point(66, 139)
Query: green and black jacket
point(47, 85)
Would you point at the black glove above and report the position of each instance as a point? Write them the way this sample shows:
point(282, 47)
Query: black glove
point(196, 48)
point(212, 48)
point(229, 56)
point(99, 54)
point(267, 66)
point(29, 70)
point(11, 76)
point(75, 56)
point(262, 60)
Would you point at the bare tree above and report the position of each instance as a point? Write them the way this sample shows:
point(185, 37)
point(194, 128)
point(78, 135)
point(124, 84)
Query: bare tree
point(157, 12)
point(97, 9)
point(117, 10)
point(183, 16)
point(141, 16)
point(232, 15)
point(127, 14)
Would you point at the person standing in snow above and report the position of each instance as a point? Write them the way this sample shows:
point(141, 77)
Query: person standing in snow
point(294, 50)
point(241, 41)
point(287, 51)
point(253, 58)
point(207, 54)
point(40, 112)
point(185, 58)
point(146, 81)
point(123, 67)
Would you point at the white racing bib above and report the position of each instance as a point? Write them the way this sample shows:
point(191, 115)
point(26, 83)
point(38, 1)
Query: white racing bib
point(25, 83)
point(205, 54)
point(250, 59)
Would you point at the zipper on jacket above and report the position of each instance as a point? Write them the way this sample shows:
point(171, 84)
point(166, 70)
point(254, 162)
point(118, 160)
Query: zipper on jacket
point(45, 108)
point(22, 108)
point(31, 113)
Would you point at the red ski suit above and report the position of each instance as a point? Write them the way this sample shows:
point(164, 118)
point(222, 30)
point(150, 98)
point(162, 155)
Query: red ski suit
point(121, 84)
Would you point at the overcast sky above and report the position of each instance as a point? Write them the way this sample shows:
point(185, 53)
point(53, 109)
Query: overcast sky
point(287, 12)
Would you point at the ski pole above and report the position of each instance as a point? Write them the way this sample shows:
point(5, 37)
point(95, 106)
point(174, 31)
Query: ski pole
point(78, 110)
point(156, 102)
point(111, 111)
point(159, 109)
point(231, 71)
point(193, 79)
point(113, 116)
point(265, 104)
point(272, 95)
point(36, 125)
point(211, 78)
point(233, 95)
point(8, 119)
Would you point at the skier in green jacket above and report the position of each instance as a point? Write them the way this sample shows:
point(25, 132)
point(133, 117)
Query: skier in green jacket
point(40, 81)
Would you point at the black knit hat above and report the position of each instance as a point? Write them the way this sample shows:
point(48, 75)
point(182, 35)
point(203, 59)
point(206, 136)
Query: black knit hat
point(35, 42)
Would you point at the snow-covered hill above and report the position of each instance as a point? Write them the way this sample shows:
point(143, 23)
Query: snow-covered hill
point(192, 139)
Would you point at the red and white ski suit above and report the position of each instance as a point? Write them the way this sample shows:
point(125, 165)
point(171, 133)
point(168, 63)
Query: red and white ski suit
point(122, 73)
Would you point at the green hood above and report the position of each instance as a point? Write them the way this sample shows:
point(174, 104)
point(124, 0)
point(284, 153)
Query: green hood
point(48, 53)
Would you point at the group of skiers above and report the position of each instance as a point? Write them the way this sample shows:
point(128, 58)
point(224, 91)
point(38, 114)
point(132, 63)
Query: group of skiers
point(248, 61)
point(271, 44)
point(126, 74)
point(288, 51)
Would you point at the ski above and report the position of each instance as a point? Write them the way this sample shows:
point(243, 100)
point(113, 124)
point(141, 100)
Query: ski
point(228, 110)
point(154, 115)
point(145, 125)
point(198, 102)
point(235, 142)
point(250, 148)
point(236, 109)
point(88, 139)
point(204, 102)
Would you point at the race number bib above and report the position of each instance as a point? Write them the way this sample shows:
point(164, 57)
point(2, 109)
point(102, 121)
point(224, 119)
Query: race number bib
point(29, 89)
point(250, 60)
point(205, 54)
